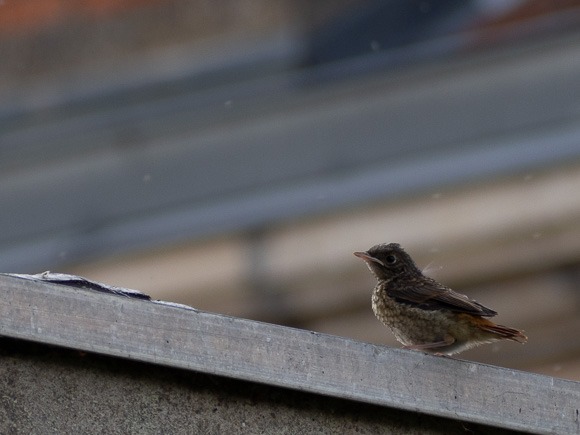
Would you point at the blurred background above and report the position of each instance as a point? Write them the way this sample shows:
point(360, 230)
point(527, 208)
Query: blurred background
point(231, 155)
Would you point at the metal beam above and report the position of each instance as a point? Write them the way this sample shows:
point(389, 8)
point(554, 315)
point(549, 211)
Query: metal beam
point(128, 327)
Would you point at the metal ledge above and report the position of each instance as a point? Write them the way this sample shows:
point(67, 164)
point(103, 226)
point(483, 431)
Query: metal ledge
point(126, 326)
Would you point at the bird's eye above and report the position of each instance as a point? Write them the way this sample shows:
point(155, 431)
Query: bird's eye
point(391, 259)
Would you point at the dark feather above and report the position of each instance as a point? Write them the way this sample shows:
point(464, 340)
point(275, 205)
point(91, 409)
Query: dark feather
point(428, 294)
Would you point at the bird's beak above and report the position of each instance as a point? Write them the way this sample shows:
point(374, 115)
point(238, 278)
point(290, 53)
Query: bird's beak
point(366, 257)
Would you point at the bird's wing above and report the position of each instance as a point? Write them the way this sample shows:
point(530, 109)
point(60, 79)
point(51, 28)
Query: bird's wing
point(428, 294)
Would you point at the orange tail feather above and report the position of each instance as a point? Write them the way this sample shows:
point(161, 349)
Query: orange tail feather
point(504, 331)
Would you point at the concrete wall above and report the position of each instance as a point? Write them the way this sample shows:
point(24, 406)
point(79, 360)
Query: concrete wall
point(47, 389)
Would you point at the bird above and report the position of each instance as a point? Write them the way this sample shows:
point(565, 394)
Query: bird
point(424, 314)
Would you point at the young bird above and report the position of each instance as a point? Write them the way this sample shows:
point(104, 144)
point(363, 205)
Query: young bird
point(424, 314)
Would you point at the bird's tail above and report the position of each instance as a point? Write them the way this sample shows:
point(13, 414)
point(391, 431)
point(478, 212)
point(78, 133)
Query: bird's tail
point(504, 331)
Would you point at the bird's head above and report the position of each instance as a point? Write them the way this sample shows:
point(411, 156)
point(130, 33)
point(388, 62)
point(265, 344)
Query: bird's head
point(387, 261)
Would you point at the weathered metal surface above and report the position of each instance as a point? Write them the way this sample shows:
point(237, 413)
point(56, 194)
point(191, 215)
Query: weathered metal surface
point(270, 354)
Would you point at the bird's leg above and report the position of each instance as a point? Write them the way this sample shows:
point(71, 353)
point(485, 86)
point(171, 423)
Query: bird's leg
point(429, 346)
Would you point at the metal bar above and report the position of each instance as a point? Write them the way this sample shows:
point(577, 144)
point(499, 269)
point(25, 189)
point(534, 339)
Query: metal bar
point(183, 338)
